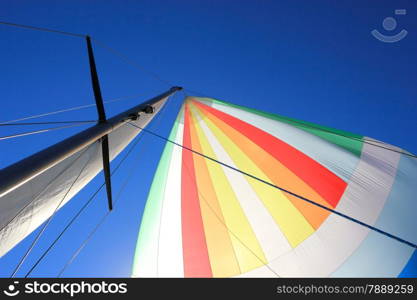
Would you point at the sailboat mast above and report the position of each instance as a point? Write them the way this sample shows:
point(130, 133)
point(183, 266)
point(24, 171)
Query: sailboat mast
point(22, 171)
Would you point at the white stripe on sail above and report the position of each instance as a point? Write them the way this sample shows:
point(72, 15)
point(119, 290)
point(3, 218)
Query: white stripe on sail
point(338, 160)
point(397, 218)
point(147, 248)
point(270, 237)
point(338, 238)
point(170, 256)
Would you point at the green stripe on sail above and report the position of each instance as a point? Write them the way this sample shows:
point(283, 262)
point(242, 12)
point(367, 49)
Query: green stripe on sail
point(347, 140)
point(152, 213)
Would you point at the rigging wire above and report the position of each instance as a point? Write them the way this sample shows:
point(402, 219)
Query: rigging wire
point(40, 193)
point(132, 63)
point(71, 109)
point(279, 188)
point(46, 123)
point(91, 234)
point(157, 77)
point(317, 127)
point(84, 243)
point(74, 218)
point(43, 29)
point(6, 137)
point(86, 204)
point(48, 221)
point(98, 42)
point(228, 229)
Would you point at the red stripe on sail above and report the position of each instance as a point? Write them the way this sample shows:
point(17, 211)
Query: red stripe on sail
point(196, 259)
point(321, 179)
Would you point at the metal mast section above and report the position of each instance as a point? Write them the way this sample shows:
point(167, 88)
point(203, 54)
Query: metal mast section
point(22, 171)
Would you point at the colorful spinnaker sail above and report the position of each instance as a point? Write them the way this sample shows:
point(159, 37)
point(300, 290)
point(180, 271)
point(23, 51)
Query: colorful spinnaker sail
point(273, 196)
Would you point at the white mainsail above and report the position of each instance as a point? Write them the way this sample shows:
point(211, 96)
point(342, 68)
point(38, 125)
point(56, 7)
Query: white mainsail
point(25, 208)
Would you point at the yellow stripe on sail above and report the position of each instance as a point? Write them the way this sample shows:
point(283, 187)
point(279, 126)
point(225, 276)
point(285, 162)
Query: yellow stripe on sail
point(223, 260)
point(246, 246)
point(292, 223)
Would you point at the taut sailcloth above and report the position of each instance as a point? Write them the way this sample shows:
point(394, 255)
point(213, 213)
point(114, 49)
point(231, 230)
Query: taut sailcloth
point(24, 208)
point(208, 218)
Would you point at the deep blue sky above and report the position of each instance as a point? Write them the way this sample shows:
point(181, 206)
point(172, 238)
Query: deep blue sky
point(312, 60)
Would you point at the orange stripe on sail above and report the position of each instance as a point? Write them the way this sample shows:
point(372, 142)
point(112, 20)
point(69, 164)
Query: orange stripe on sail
point(322, 180)
point(277, 173)
point(220, 249)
